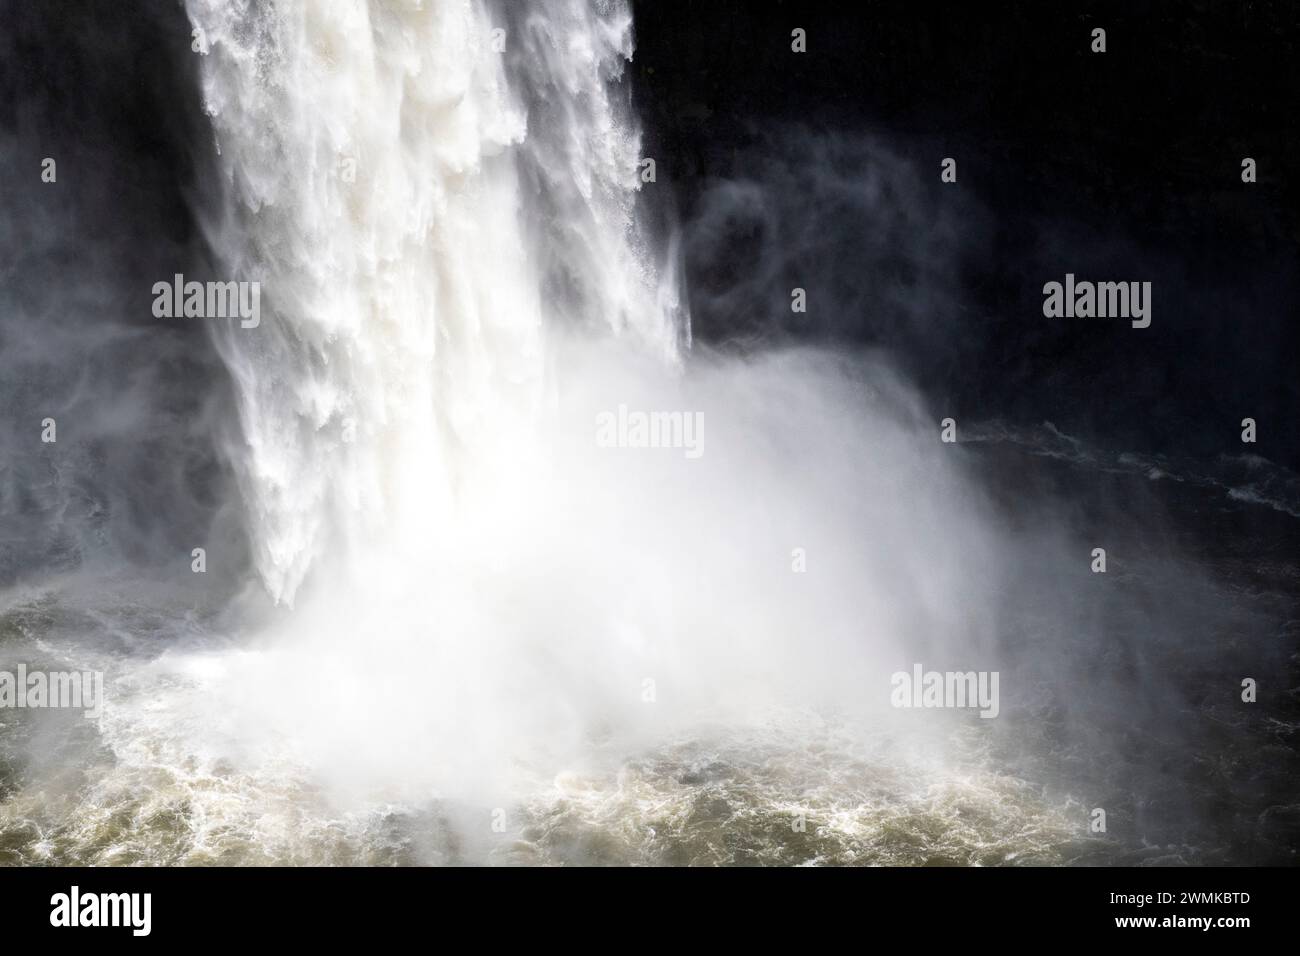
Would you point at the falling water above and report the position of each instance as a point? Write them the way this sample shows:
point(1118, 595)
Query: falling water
point(380, 167)
point(470, 631)
point(472, 604)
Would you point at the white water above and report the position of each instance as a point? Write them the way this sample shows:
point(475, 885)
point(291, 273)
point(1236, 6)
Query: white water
point(407, 351)
point(471, 595)
point(457, 596)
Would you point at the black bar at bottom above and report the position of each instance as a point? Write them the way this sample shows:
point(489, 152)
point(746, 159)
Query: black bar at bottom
point(213, 905)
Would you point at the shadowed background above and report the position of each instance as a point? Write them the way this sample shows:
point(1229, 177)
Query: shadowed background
point(821, 170)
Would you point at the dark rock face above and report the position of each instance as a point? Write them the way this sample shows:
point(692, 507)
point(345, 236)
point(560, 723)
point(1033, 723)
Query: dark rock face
point(113, 99)
point(821, 170)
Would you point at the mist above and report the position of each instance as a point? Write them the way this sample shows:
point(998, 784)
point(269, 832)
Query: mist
point(371, 580)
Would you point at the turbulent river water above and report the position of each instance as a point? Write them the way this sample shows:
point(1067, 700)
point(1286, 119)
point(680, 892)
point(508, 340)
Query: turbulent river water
point(441, 622)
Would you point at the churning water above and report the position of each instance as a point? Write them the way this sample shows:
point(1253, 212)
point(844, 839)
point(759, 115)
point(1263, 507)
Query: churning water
point(451, 626)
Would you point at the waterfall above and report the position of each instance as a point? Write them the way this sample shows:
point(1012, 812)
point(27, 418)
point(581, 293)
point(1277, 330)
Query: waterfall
point(478, 576)
point(424, 189)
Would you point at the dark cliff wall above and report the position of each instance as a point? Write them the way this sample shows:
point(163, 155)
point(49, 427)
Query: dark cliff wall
point(821, 170)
